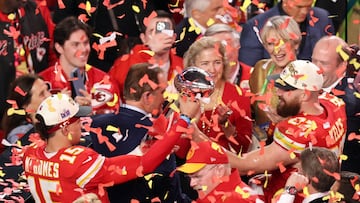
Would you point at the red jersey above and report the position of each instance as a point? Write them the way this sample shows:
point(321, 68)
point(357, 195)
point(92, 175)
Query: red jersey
point(232, 191)
point(104, 91)
point(302, 131)
point(62, 176)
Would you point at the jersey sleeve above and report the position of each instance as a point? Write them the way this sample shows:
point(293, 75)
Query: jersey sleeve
point(123, 168)
point(87, 163)
point(295, 133)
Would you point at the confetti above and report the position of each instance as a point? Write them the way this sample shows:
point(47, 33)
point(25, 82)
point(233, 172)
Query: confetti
point(20, 91)
point(135, 8)
point(12, 111)
point(61, 4)
point(12, 32)
point(147, 20)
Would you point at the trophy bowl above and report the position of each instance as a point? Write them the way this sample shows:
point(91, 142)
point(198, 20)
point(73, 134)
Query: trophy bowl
point(195, 82)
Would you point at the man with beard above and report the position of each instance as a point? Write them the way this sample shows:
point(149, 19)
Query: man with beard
point(307, 120)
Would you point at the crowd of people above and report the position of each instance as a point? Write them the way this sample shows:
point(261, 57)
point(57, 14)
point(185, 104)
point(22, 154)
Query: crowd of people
point(178, 101)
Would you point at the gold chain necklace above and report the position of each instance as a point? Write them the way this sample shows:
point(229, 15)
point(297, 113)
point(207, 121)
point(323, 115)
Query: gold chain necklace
point(207, 124)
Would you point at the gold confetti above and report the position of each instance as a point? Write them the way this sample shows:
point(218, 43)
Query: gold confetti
point(11, 16)
point(69, 136)
point(12, 111)
point(114, 101)
point(112, 128)
point(210, 22)
point(136, 8)
point(343, 157)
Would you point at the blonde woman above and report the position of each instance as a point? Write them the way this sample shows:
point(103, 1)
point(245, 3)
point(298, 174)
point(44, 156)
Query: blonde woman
point(226, 119)
point(281, 37)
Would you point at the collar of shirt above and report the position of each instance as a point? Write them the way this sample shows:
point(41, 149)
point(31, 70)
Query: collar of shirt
point(235, 74)
point(64, 77)
point(328, 89)
point(314, 196)
point(137, 109)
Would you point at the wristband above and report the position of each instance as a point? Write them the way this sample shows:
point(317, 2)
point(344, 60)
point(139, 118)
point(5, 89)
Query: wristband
point(291, 190)
point(185, 118)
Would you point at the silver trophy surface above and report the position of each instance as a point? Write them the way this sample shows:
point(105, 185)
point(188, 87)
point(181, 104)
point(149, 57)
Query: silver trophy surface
point(195, 82)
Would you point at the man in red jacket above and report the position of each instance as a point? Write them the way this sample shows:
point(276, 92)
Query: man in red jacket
point(156, 49)
point(89, 86)
point(211, 176)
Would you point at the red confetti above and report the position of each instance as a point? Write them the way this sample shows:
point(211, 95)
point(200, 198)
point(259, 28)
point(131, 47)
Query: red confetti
point(147, 20)
point(139, 171)
point(61, 4)
point(100, 48)
point(315, 179)
point(101, 187)
point(313, 19)
point(285, 24)
point(132, 90)
point(155, 199)
point(262, 147)
point(353, 136)
point(144, 3)
point(281, 167)
point(83, 17)
point(110, 6)
point(12, 32)
point(145, 79)
point(83, 6)
point(20, 91)
point(121, 16)
point(335, 175)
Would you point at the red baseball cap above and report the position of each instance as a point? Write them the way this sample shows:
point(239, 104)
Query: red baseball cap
point(201, 154)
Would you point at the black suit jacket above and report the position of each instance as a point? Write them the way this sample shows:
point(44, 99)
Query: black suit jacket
point(184, 37)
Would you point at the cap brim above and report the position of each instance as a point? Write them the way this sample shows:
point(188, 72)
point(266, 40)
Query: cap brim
point(191, 167)
point(280, 83)
point(83, 111)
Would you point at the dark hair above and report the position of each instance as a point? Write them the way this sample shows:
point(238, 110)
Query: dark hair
point(42, 129)
point(25, 83)
point(318, 162)
point(66, 27)
point(135, 74)
point(160, 14)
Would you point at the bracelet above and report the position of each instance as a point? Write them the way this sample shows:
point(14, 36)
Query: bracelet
point(291, 190)
point(185, 118)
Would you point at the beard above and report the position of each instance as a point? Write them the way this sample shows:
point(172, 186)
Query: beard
point(286, 109)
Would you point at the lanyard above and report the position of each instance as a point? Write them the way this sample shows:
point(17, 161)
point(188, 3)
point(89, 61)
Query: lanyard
point(266, 82)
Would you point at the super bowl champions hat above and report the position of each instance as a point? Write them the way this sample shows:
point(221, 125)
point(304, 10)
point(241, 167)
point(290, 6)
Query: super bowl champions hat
point(60, 108)
point(299, 74)
point(202, 154)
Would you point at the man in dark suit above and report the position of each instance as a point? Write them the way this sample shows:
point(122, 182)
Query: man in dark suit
point(200, 14)
point(329, 55)
point(135, 131)
point(317, 172)
point(314, 23)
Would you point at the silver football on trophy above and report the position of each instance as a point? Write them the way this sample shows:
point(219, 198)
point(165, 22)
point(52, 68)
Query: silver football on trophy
point(194, 81)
